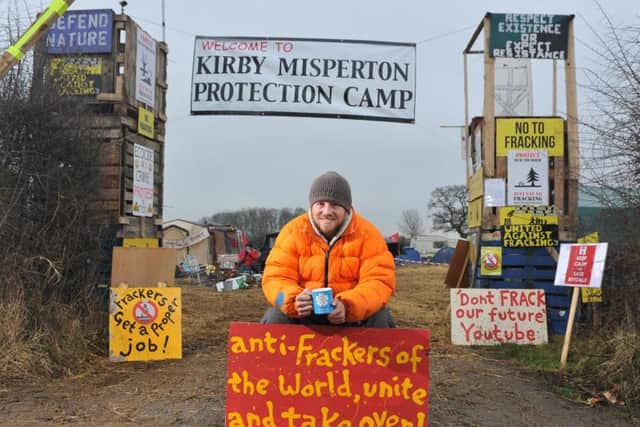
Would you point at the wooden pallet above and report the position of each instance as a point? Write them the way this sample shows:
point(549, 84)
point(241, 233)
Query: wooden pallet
point(530, 268)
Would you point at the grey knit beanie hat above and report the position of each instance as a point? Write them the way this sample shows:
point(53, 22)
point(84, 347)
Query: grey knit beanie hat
point(332, 187)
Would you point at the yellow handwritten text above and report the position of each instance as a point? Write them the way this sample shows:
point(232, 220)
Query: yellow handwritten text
point(242, 384)
point(293, 387)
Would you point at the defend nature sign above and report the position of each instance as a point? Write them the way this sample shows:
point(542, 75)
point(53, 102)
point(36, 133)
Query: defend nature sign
point(81, 31)
point(145, 324)
point(496, 316)
point(530, 133)
point(536, 36)
point(302, 77)
point(286, 375)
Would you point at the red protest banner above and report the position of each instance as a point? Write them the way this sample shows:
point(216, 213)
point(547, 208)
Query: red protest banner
point(292, 375)
point(580, 265)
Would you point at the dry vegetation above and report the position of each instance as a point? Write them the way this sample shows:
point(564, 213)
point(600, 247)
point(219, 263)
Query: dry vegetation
point(191, 391)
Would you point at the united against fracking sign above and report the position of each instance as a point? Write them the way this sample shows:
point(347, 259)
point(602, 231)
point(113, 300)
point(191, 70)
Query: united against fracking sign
point(302, 77)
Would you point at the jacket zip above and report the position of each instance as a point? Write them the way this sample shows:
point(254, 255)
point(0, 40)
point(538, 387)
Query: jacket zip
point(326, 267)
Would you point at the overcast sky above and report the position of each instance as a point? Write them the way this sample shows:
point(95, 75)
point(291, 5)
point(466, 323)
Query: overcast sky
point(216, 163)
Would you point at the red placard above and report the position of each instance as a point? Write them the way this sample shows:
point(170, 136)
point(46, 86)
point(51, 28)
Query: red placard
point(580, 265)
point(292, 375)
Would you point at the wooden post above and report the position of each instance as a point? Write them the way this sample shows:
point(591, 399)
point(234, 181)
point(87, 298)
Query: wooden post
point(573, 172)
point(488, 130)
point(466, 116)
point(567, 334)
point(554, 90)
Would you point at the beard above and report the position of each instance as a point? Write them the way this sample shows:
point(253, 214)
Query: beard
point(328, 225)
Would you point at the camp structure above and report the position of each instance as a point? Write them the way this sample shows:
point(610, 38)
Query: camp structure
point(210, 244)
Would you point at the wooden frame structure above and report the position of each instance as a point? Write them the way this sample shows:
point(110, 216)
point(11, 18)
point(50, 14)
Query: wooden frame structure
point(114, 122)
point(522, 267)
point(564, 171)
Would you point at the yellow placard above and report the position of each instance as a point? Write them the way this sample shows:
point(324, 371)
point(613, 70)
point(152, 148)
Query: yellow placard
point(590, 294)
point(140, 243)
point(590, 238)
point(474, 214)
point(491, 261)
point(145, 122)
point(530, 133)
point(76, 75)
point(475, 184)
point(538, 215)
point(145, 324)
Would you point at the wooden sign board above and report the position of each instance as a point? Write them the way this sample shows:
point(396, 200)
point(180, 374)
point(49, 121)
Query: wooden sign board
point(145, 324)
point(285, 375)
point(143, 266)
point(456, 274)
point(498, 316)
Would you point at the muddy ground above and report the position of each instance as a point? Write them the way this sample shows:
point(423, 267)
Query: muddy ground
point(466, 388)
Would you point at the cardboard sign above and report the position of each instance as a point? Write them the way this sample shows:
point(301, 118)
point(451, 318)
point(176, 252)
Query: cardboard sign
point(285, 375)
point(474, 213)
point(497, 316)
point(528, 178)
point(491, 261)
point(530, 133)
point(145, 324)
point(527, 35)
point(581, 265)
point(474, 184)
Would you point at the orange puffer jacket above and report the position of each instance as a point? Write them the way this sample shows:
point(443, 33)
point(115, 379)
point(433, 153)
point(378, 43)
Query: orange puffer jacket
point(360, 269)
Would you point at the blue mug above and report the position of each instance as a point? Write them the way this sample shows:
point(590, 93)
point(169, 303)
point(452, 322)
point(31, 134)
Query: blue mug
point(322, 300)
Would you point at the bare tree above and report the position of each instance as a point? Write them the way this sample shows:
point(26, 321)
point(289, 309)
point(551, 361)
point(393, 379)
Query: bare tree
point(51, 243)
point(448, 206)
point(611, 128)
point(411, 223)
point(613, 125)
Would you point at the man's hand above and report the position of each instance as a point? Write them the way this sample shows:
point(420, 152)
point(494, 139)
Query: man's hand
point(339, 314)
point(303, 303)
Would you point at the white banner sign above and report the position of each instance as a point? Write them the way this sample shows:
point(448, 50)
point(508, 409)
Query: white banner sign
point(528, 178)
point(496, 316)
point(581, 265)
point(187, 241)
point(142, 181)
point(298, 77)
point(146, 69)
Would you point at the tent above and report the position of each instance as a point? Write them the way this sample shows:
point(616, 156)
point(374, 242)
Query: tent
point(443, 256)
